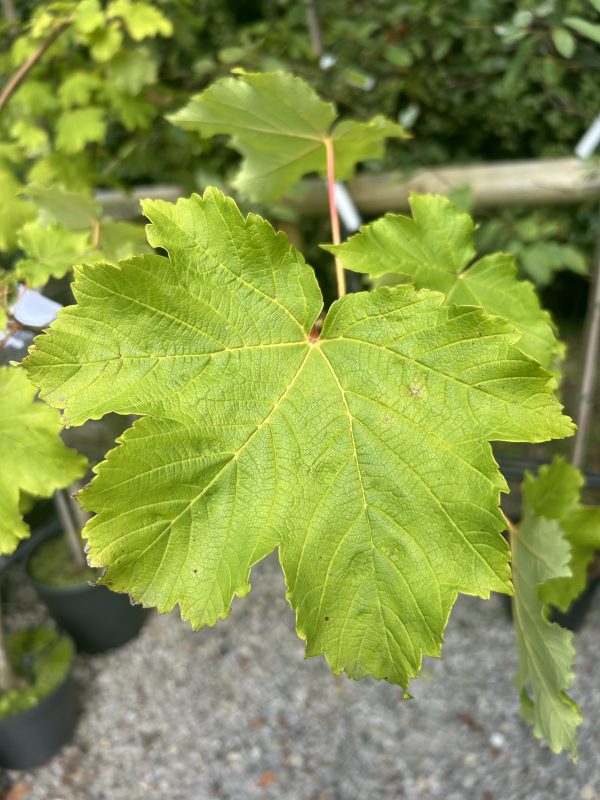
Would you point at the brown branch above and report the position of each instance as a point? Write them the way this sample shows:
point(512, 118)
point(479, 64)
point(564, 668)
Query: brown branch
point(11, 86)
point(96, 233)
point(510, 525)
point(12, 329)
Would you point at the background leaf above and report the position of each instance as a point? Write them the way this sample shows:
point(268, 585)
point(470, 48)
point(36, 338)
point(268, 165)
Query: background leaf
point(50, 251)
point(279, 125)
point(435, 249)
point(555, 494)
point(34, 459)
point(541, 558)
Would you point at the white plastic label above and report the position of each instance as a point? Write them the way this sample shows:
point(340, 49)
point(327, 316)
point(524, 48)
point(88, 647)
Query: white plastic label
point(34, 310)
point(590, 140)
point(346, 208)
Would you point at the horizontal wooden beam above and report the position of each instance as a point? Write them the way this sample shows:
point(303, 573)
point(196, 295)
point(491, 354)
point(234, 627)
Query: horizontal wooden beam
point(535, 182)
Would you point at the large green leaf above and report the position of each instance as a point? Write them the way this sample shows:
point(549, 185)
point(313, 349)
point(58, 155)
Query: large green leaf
point(280, 125)
point(541, 557)
point(363, 454)
point(435, 249)
point(34, 459)
point(555, 494)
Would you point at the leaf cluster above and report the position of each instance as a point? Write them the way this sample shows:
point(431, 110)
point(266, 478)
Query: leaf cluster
point(552, 548)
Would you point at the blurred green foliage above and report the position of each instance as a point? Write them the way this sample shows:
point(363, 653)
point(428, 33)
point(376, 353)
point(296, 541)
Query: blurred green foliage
point(475, 80)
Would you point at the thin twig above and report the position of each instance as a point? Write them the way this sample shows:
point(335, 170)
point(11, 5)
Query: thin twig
point(70, 529)
point(333, 215)
point(9, 11)
point(314, 27)
point(510, 525)
point(9, 333)
point(591, 349)
point(19, 76)
point(96, 233)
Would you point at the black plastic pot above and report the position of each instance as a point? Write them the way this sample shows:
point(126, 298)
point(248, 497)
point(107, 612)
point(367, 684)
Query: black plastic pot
point(34, 736)
point(96, 618)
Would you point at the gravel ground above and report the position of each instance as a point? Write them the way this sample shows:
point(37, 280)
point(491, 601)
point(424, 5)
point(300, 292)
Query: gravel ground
point(235, 712)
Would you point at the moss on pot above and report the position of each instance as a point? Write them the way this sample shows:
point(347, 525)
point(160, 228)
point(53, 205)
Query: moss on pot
point(42, 658)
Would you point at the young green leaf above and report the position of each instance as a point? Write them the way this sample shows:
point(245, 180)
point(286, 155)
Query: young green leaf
point(363, 454)
point(141, 19)
point(50, 251)
point(542, 558)
point(14, 213)
point(121, 239)
point(555, 494)
point(435, 249)
point(280, 126)
point(78, 127)
point(71, 210)
point(34, 459)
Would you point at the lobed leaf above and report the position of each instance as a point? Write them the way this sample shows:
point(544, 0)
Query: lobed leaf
point(50, 251)
point(541, 555)
point(555, 494)
point(34, 459)
point(279, 125)
point(435, 249)
point(363, 455)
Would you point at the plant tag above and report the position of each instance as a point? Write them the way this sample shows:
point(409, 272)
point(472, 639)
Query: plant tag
point(34, 310)
point(346, 208)
point(590, 140)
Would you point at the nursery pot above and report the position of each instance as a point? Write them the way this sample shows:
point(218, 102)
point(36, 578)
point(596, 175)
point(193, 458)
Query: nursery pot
point(32, 737)
point(96, 618)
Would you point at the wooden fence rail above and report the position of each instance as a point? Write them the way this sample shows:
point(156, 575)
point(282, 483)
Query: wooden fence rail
point(534, 182)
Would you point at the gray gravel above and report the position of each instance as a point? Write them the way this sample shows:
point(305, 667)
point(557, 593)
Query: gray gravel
point(235, 712)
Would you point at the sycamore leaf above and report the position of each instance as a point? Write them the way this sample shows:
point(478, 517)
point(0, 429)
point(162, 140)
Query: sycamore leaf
point(14, 213)
point(130, 70)
point(543, 259)
point(142, 20)
point(78, 127)
point(554, 494)
point(34, 459)
point(280, 126)
point(435, 248)
point(50, 251)
point(121, 239)
point(364, 454)
point(105, 42)
point(71, 210)
point(78, 88)
point(541, 553)
point(88, 16)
